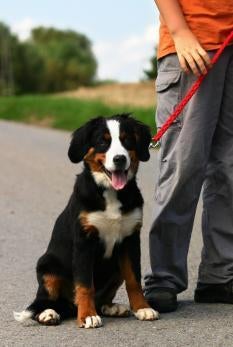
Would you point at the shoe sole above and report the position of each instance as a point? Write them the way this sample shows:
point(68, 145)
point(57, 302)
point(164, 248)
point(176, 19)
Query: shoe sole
point(162, 309)
point(213, 300)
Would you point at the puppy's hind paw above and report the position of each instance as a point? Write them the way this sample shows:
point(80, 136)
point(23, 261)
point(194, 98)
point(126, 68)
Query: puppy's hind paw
point(48, 317)
point(115, 310)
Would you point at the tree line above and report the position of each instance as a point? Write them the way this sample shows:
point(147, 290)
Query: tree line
point(51, 60)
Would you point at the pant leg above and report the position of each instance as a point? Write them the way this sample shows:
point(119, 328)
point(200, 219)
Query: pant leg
point(217, 221)
point(184, 155)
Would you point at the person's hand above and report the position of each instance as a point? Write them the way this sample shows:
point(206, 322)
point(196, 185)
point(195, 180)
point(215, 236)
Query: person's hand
point(190, 53)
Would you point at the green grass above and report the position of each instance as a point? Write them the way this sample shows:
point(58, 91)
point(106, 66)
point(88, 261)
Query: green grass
point(64, 113)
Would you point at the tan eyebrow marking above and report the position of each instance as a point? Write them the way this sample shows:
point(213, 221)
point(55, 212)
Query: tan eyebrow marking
point(107, 136)
point(123, 135)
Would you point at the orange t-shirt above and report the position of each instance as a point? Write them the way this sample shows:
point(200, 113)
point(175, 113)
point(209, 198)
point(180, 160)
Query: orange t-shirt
point(210, 21)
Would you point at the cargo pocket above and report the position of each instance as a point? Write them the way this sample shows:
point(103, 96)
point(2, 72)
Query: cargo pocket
point(168, 95)
point(168, 88)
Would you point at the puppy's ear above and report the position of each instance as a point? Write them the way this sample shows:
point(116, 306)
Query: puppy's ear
point(143, 139)
point(81, 140)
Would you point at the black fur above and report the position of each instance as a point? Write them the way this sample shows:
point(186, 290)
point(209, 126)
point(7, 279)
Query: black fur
point(81, 140)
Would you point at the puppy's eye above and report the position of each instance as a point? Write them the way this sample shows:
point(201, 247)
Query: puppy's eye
point(102, 144)
point(128, 143)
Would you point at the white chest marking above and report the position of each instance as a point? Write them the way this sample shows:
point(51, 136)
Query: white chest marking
point(113, 226)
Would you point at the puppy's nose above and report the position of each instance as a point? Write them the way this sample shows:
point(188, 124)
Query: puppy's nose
point(119, 161)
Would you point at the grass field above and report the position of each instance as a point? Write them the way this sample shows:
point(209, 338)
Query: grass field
point(65, 113)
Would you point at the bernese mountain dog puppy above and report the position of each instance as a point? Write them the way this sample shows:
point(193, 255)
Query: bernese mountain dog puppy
point(95, 243)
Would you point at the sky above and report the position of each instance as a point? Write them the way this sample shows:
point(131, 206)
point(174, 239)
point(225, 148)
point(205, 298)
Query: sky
point(123, 33)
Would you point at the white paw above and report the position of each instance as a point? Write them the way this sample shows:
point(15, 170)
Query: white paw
point(92, 322)
point(146, 314)
point(49, 317)
point(117, 310)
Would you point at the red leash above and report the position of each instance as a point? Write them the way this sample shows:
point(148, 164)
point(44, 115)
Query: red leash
point(175, 114)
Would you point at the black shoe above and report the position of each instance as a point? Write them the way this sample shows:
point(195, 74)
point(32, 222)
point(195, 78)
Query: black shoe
point(161, 299)
point(213, 293)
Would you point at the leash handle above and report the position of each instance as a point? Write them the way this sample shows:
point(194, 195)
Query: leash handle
point(178, 109)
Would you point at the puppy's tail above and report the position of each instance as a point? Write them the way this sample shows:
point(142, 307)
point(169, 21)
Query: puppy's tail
point(31, 311)
point(23, 315)
point(63, 307)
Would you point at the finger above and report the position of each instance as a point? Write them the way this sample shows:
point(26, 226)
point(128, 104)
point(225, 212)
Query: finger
point(205, 57)
point(183, 63)
point(200, 62)
point(192, 64)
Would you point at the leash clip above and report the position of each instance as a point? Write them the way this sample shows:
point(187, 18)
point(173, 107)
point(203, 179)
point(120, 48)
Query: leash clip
point(155, 145)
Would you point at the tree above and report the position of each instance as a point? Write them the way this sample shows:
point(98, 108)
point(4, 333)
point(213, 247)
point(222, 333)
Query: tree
point(29, 68)
point(7, 43)
point(151, 73)
point(68, 58)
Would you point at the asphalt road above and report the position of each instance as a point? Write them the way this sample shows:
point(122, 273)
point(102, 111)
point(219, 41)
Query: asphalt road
point(36, 179)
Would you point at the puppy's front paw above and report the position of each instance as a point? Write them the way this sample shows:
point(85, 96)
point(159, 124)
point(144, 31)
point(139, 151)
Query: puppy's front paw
point(146, 314)
point(91, 322)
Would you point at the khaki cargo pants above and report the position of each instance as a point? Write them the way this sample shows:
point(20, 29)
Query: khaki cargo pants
point(197, 149)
